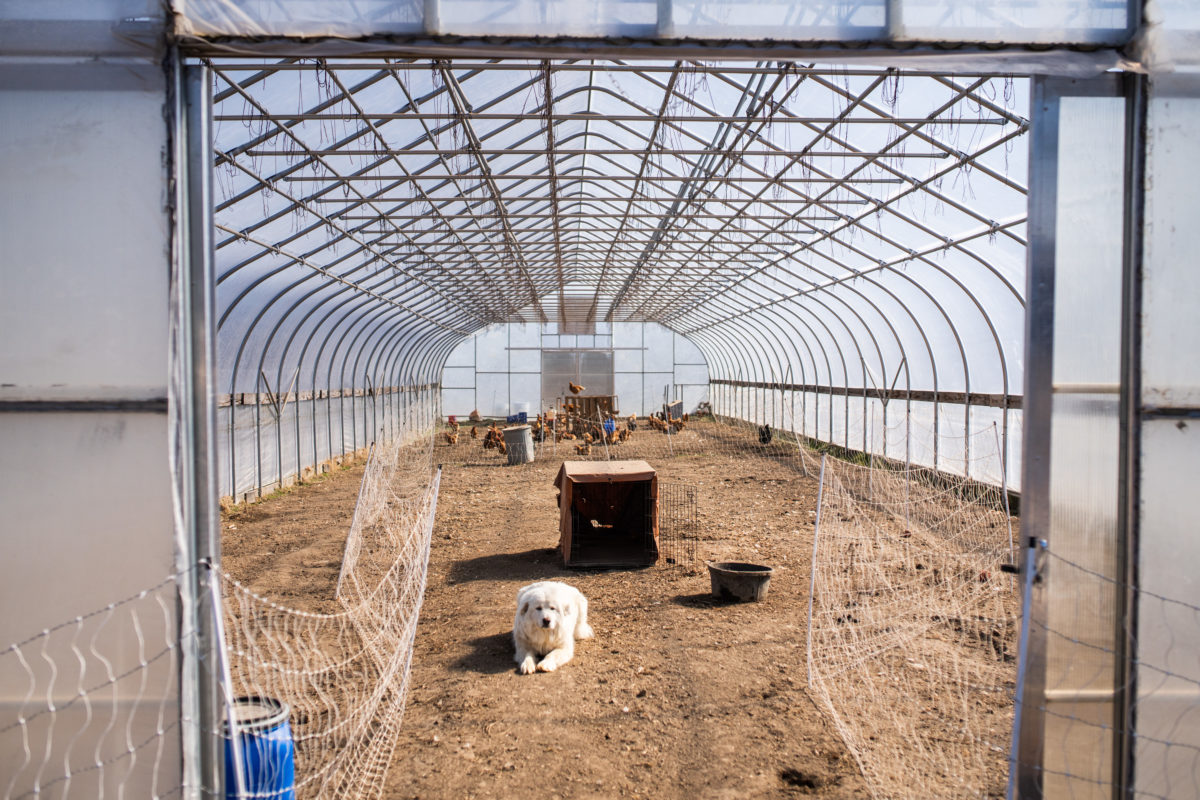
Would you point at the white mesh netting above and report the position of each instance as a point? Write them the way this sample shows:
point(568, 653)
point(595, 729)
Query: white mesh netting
point(344, 671)
point(914, 627)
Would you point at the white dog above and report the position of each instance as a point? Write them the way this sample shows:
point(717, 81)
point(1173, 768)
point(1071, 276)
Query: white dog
point(550, 617)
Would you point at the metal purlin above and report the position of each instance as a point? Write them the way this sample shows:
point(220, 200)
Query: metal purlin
point(682, 240)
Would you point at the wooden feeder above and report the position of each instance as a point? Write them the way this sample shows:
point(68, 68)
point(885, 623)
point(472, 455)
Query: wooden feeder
point(593, 407)
point(608, 513)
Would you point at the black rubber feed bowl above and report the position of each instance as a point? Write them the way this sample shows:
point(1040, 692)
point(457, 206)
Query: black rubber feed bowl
point(732, 580)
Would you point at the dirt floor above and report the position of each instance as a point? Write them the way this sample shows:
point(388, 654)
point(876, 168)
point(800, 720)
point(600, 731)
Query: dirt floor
point(678, 696)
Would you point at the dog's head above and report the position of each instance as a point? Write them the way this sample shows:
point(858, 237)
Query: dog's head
point(542, 610)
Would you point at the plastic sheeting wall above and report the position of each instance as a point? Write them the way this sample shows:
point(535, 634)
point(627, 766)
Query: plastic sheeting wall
point(1084, 21)
point(87, 493)
point(263, 447)
point(499, 372)
point(905, 431)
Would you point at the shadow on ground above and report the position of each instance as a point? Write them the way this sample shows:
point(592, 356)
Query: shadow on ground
point(703, 600)
point(490, 655)
point(532, 565)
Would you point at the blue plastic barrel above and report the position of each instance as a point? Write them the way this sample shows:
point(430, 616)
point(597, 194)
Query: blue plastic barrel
point(268, 752)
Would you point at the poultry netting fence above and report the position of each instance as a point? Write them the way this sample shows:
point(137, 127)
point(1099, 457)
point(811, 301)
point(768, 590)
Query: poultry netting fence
point(914, 625)
point(92, 707)
point(343, 668)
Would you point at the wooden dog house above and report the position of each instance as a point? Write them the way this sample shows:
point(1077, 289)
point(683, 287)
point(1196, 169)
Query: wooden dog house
point(608, 513)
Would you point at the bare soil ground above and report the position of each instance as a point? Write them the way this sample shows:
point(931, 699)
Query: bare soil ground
point(678, 696)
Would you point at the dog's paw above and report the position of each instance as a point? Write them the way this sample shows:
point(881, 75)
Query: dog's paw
point(584, 631)
point(547, 665)
point(528, 666)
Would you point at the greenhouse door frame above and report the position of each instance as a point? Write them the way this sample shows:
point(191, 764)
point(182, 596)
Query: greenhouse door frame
point(1028, 767)
point(194, 333)
point(196, 346)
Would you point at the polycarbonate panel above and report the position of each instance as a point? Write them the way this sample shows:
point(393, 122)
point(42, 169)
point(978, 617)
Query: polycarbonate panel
point(463, 355)
point(1081, 590)
point(596, 371)
point(82, 221)
point(1088, 241)
point(1171, 293)
point(691, 373)
point(659, 346)
point(1168, 612)
point(654, 385)
point(628, 389)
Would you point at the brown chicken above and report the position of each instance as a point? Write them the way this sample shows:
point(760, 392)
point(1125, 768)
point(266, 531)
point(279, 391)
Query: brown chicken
point(583, 449)
point(575, 387)
point(451, 437)
point(475, 432)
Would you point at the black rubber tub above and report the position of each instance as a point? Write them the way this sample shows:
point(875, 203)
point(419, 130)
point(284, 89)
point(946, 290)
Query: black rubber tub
point(733, 580)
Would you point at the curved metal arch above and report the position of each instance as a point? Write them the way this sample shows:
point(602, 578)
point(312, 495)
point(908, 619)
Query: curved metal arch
point(749, 320)
point(320, 289)
point(862, 359)
point(363, 336)
point(806, 342)
point(265, 348)
point(295, 204)
point(889, 206)
point(835, 343)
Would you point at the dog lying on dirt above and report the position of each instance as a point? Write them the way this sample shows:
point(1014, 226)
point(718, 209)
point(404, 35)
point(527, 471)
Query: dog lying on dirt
point(550, 617)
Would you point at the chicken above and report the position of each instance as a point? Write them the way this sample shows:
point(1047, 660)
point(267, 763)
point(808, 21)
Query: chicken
point(764, 434)
point(502, 447)
point(583, 449)
point(451, 437)
point(575, 387)
point(493, 439)
point(624, 434)
point(588, 438)
point(568, 435)
point(453, 423)
point(475, 432)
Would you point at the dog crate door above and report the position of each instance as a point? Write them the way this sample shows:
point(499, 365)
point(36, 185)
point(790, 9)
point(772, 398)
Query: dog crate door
point(677, 525)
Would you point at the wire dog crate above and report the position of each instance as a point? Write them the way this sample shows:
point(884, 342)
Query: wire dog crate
point(608, 513)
